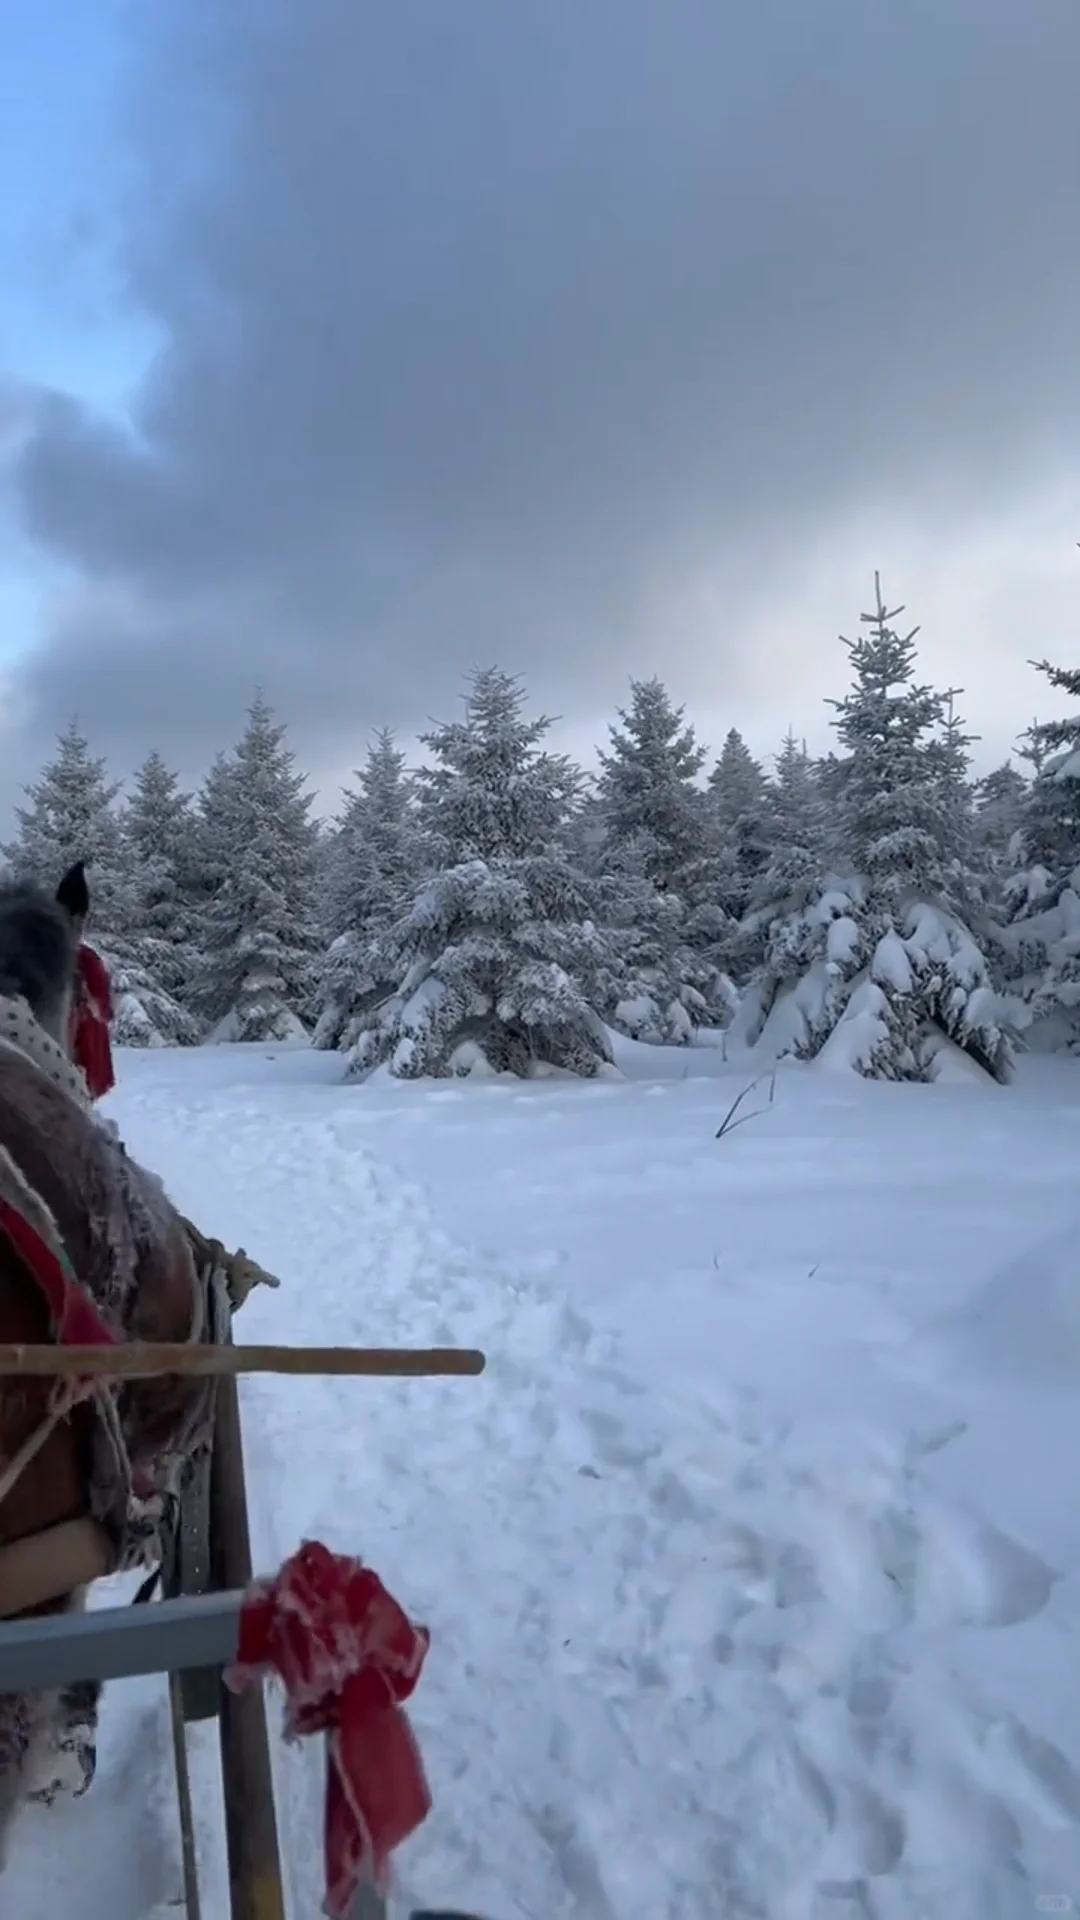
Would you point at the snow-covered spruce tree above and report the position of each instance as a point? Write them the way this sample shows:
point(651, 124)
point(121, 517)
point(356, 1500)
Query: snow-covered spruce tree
point(376, 843)
point(493, 962)
point(647, 785)
point(967, 881)
point(1039, 935)
point(1051, 820)
point(259, 941)
point(740, 806)
point(336, 848)
point(71, 815)
point(768, 947)
point(1000, 805)
point(795, 802)
point(159, 952)
point(891, 975)
point(830, 774)
point(378, 857)
point(652, 983)
point(656, 884)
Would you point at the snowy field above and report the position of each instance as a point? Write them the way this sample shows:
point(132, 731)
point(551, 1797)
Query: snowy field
point(753, 1562)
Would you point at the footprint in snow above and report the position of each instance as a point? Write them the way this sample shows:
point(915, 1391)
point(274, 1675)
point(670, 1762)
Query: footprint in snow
point(968, 1573)
point(1034, 1772)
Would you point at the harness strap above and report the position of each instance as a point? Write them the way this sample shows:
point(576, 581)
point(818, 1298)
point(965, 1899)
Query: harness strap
point(130, 1522)
point(75, 1320)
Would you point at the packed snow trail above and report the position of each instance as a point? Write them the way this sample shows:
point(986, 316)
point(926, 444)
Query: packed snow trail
point(696, 1656)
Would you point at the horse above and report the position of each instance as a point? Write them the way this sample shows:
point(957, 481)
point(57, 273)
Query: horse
point(86, 1476)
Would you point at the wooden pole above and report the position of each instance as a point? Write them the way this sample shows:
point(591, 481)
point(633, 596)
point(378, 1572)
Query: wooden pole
point(149, 1360)
point(255, 1889)
point(188, 1856)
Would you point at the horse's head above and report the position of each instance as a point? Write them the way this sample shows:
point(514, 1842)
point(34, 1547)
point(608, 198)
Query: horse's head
point(38, 941)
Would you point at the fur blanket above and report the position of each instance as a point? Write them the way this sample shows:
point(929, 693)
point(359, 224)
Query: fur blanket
point(123, 1236)
point(130, 1247)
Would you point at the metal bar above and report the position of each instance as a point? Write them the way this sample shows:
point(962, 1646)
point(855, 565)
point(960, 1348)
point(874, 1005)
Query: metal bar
point(114, 1643)
point(255, 1888)
point(148, 1360)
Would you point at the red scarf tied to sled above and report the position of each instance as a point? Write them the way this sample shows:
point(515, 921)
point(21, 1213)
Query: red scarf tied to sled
point(348, 1657)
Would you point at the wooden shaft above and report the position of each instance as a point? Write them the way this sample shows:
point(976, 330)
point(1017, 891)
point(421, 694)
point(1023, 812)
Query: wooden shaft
point(188, 1856)
point(149, 1360)
point(255, 1887)
point(43, 1566)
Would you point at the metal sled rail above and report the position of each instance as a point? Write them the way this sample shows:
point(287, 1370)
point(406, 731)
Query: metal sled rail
point(115, 1643)
point(192, 1634)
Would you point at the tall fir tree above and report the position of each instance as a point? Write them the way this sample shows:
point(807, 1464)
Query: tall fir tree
point(894, 798)
point(1039, 935)
point(656, 879)
point(70, 814)
point(796, 858)
point(796, 803)
point(880, 968)
point(379, 856)
point(492, 962)
point(740, 805)
point(143, 965)
point(379, 849)
point(492, 790)
point(968, 883)
point(647, 786)
point(1051, 825)
point(771, 945)
point(159, 829)
point(830, 775)
point(1000, 805)
point(259, 942)
point(907, 824)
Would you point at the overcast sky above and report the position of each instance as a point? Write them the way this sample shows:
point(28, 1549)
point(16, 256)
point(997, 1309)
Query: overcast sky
point(346, 346)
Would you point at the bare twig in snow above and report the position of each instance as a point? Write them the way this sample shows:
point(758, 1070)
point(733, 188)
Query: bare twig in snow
point(733, 1118)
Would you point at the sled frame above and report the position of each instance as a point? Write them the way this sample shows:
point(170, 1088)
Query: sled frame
point(191, 1634)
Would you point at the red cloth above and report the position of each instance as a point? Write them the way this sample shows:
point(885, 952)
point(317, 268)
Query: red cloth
point(348, 1656)
point(72, 1310)
point(91, 1021)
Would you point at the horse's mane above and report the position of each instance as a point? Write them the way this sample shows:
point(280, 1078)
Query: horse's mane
point(37, 950)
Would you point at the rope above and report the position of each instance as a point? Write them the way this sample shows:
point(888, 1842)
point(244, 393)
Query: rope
point(60, 1406)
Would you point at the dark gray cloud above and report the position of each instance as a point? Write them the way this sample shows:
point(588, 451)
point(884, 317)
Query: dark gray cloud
point(486, 327)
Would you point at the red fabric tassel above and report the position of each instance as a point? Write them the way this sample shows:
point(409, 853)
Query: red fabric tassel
point(91, 1021)
point(347, 1656)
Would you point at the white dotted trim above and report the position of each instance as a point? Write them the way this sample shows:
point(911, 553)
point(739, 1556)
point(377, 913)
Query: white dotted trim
point(20, 1031)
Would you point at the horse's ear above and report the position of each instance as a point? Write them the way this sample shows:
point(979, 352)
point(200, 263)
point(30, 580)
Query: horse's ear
point(73, 894)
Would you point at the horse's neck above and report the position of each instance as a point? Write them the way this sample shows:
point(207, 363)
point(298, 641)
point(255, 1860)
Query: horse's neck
point(30, 1036)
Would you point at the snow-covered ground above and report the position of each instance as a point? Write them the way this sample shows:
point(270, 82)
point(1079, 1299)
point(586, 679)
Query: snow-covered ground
point(752, 1563)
